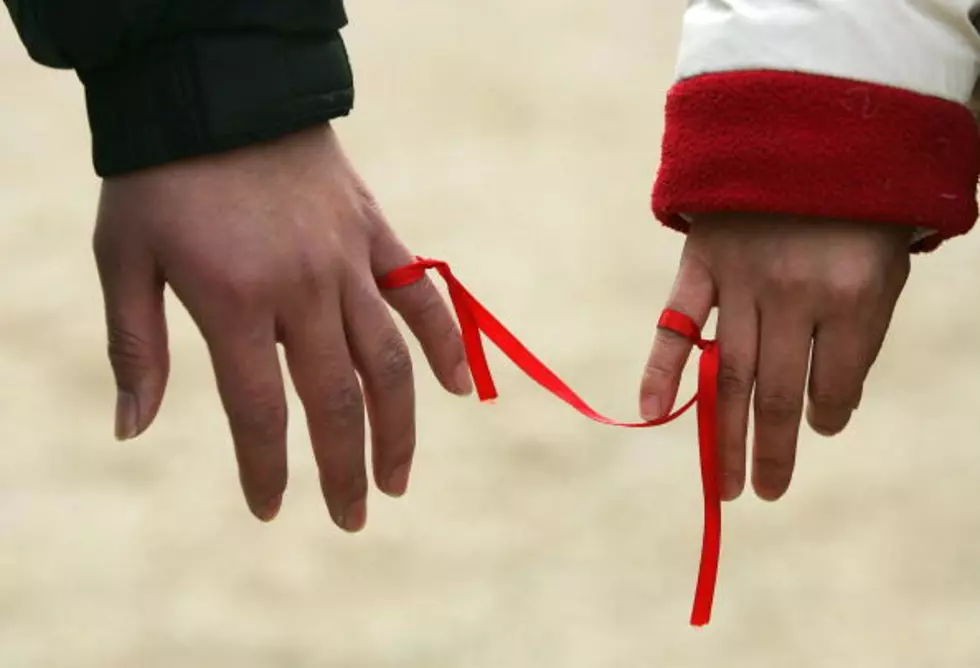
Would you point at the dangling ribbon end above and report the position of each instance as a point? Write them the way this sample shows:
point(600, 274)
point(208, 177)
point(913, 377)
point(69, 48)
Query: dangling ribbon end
point(487, 395)
point(701, 614)
point(701, 610)
point(475, 320)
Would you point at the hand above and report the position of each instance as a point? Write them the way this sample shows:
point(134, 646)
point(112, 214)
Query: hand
point(279, 242)
point(780, 285)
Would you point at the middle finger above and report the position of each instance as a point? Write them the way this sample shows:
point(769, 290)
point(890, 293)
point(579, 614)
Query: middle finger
point(738, 340)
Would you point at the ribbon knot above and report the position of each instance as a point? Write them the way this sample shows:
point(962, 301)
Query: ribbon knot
point(475, 321)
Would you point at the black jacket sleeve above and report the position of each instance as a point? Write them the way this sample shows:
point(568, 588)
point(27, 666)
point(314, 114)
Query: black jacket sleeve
point(171, 79)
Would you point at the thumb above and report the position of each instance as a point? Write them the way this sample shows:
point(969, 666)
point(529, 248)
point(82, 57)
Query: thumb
point(137, 334)
point(693, 295)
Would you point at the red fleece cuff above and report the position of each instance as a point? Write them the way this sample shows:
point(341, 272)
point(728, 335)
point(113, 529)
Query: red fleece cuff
point(817, 146)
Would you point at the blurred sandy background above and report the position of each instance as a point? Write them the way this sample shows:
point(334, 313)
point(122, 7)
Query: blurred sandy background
point(519, 142)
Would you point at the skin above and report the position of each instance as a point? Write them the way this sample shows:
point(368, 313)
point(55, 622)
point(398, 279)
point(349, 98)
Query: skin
point(803, 309)
point(275, 244)
point(279, 243)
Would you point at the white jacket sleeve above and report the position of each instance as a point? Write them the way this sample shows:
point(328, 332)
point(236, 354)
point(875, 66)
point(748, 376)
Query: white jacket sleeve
point(855, 109)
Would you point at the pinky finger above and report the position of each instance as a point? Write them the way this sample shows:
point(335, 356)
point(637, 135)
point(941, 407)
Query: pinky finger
point(842, 356)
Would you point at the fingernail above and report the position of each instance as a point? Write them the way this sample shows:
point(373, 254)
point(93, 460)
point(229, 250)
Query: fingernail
point(462, 381)
point(397, 483)
point(268, 511)
point(355, 516)
point(650, 407)
point(127, 415)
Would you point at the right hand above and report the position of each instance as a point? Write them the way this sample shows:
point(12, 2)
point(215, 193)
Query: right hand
point(279, 242)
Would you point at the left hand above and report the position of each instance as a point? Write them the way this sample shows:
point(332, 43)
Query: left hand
point(803, 307)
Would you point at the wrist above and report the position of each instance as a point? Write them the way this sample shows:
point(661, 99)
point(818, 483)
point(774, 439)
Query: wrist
point(808, 145)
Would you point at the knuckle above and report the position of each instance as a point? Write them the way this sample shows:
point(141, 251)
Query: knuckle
point(344, 406)
point(445, 330)
point(733, 381)
point(669, 352)
point(856, 283)
point(787, 276)
point(395, 363)
point(311, 276)
point(790, 282)
point(128, 352)
point(426, 305)
point(259, 420)
point(777, 406)
point(430, 304)
point(851, 290)
point(243, 288)
point(657, 369)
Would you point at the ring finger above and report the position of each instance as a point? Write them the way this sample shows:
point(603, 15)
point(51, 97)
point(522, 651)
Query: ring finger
point(784, 354)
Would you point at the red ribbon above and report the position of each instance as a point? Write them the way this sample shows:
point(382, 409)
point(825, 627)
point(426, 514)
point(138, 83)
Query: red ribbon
point(475, 319)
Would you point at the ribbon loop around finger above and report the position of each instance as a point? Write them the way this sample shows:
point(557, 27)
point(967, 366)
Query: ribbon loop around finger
point(475, 321)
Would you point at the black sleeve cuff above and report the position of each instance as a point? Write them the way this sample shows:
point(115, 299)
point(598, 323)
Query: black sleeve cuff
point(212, 93)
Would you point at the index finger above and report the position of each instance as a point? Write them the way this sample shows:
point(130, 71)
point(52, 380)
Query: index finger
point(693, 295)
